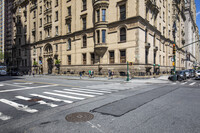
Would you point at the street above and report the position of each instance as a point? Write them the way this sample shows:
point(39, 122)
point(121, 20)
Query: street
point(41, 104)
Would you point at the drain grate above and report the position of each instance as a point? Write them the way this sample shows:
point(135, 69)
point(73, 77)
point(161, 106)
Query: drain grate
point(79, 117)
point(34, 100)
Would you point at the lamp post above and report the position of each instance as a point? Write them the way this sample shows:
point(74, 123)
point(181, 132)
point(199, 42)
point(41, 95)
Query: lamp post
point(174, 51)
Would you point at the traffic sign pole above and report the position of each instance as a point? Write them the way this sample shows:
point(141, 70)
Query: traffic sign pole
point(127, 71)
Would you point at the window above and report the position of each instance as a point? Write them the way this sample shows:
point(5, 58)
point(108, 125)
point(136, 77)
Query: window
point(69, 11)
point(56, 3)
point(40, 9)
point(34, 25)
point(98, 16)
point(40, 22)
point(103, 36)
point(56, 47)
point(40, 35)
point(103, 14)
point(146, 55)
point(84, 41)
point(146, 32)
point(84, 59)
point(84, 23)
point(111, 57)
point(69, 27)
point(123, 34)
point(84, 4)
point(98, 36)
point(69, 59)
point(19, 41)
point(122, 56)
point(92, 58)
point(56, 28)
point(34, 14)
point(56, 16)
point(69, 44)
point(122, 12)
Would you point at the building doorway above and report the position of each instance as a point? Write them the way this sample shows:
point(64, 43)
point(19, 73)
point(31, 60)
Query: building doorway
point(50, 65)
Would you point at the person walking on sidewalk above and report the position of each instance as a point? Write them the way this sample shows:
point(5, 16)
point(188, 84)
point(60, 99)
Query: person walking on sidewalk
point(33, 73)
point(92, 73)
point(109, 74)
point(80, 73)
point(89, 73)
point(112, 73)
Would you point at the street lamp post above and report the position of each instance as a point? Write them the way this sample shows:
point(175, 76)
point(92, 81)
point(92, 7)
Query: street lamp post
point(174, 51)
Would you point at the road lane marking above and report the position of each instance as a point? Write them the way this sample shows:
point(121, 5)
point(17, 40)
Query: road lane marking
point(192, 83)
point(67, 96)
point(73, 93)
point(14, 85)
point(23, 83)
point(95, 93)
point(4, 117)
point(20, 107)
point(102, 87)
point(173, 83)
point(1, 84)
point(27, 88)
point(40, 102)
point(51, 98)
point(184, 83)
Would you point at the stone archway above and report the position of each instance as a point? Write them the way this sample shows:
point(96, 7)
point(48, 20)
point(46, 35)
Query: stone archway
point(48, 55)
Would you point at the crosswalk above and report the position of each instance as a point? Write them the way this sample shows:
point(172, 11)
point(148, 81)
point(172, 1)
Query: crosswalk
point(187, 83)
point(54, 97)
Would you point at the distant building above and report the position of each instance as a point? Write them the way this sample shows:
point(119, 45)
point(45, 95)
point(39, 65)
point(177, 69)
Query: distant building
point(98, 35)
point(191, 35)
point(2, 3)
point(8, 35)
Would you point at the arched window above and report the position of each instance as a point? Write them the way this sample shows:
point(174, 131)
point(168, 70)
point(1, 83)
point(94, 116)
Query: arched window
point(123, 34)
point(84, 41)
point(69, 44)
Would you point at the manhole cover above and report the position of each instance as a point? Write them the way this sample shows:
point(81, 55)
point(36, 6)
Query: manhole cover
point(34, 100)
point(79, 117)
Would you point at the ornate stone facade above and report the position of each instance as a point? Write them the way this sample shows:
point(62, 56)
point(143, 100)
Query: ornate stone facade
point(98, 35)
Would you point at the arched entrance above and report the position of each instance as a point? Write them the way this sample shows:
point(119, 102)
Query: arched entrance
point(50, 65)
point(48, 55)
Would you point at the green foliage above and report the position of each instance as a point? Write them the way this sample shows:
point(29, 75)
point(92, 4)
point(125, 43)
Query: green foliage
point(57, 62)
point(35, 63)
point(1, 56)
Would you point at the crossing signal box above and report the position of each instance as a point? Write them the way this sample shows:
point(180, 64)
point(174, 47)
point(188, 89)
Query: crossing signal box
point(130, 63)
point(174, 49)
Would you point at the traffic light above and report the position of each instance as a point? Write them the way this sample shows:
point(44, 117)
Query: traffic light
point(174, 49)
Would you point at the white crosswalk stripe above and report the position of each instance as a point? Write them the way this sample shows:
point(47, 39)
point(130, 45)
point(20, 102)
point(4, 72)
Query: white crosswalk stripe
point(82, 91)
point(18, 106)
point(184, 83)
point(73, 93)
point(1, 84)
point(4, 117)
point(51, 98)
point(40, 102)
point(192, 83)
point(89, 90)
point(61, 95)
point(174, 83)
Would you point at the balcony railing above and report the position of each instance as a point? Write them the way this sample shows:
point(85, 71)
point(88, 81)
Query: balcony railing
point(48, 24)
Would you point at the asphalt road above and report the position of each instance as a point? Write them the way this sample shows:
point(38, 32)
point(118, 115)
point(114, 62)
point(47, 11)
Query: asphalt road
point(40, 105)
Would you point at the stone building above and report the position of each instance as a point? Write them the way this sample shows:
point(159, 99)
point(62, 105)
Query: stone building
point(98, 35)
point(8, 36)
point(2, 4)
point(191, 35)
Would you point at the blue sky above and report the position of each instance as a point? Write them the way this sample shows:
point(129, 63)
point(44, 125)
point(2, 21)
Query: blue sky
point(198, 13)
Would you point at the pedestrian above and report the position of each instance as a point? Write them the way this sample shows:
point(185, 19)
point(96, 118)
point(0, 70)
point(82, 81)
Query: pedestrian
point(89, 73)
point(80, 73)
point(33, 73)
point(109, 74)
point(29, 72)
point(92, 73)
point(112, 73)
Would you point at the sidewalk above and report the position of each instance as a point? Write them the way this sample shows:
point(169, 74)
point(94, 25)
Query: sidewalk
point(160, 79)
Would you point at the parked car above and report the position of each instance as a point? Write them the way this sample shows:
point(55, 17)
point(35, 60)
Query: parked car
point(15, 73)
point(197, 74)
point(180, 75)
point(3, 72)
point(192, 73)
point(187, 72)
